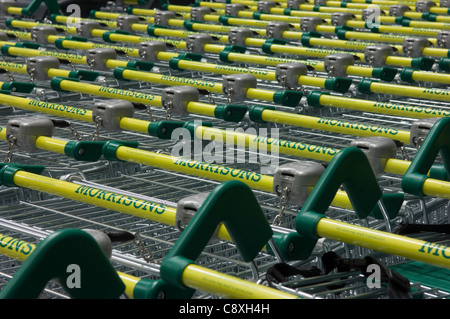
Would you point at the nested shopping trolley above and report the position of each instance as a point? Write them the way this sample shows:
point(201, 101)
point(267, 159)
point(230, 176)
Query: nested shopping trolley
point(225, 149)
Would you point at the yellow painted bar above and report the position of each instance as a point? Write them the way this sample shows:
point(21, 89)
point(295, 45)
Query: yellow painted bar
point(437, 188)
point(93, 196)
point(25, 52)
point(196, 168)
point(396, 109)
point(398, 61)
point(135, 125)
point(396, 166)
point(227, 286)
point(389, 243)
point(50, 144)
point(15, 248)
point(58, 72)
point(332, 125)
point(15, 10)
point(411, 91)
point(114, 93)
point(47, 107)
point(433, 77)
point(252, 141)
point(14, 67)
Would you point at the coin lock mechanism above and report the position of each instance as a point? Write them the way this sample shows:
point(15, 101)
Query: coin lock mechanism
point(27, 129)
point(187, 208)
point(375, 55)
point(125, 22)
point(265, 6)
point(444, 3)
point(111, 112)
point(148, 50)
point(162, 17)
point(238, 36)
point(176, 98)
point(398, 10)
point(98, 57)
point(85, 27)
point(235, 86)
point(378, 150)
point(276, 29)
point(299, 178)
point(39, 34)
point(443, 39)
point(37, 67)
point(195, 43)
point(232, 9)
point(309, 24)
point(424, 5)
point(198, 13)
point(288, 74)
point(336, 64)
point(341, 18)
point(420, 129)
point(413, 47)
point(295, 4)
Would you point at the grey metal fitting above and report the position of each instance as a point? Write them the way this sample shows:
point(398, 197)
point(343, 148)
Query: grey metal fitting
point(336, 64)
point(444, 3)
point(3, 36)
point(38, 66)
point(420, 129)
point(299, 177)
point(85, 28)
point(39, 34)
point(341, 18)
point(320, 2)
point(111, 112)
point(195, 43)
point(413, 47)
point(295, 4)
point(187, 207)
point(238, 36)
point(367, 13)
point(288, 74)
point(309, 24)
point(198, 13)
point(424, 5)
point(4, 5)
point(232, 9)
point(98, 57)
point(377, 149)
point(102, 240)
point(265, 6)
point(276, 29)
point(148, 50)
point(443, 39)
point(375, 55)
point(125, 22)
point(235, 86)
point(162, 17)
point(27, 129)
point(397, 10)
point(176, 98)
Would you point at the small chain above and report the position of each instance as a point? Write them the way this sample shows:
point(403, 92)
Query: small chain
point(90, 62)
point(211, 98)
point(98, 122)
point(149, 112)
point(404, 154)
point(8, 73)
point(283, 203)
point(145, 252)
point(32, 74)
point(169, 110)
point(229, 92)
point(74, 132)
point(11, 142)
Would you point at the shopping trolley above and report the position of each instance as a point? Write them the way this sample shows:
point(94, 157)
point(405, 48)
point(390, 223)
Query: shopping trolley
point(159, 108)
